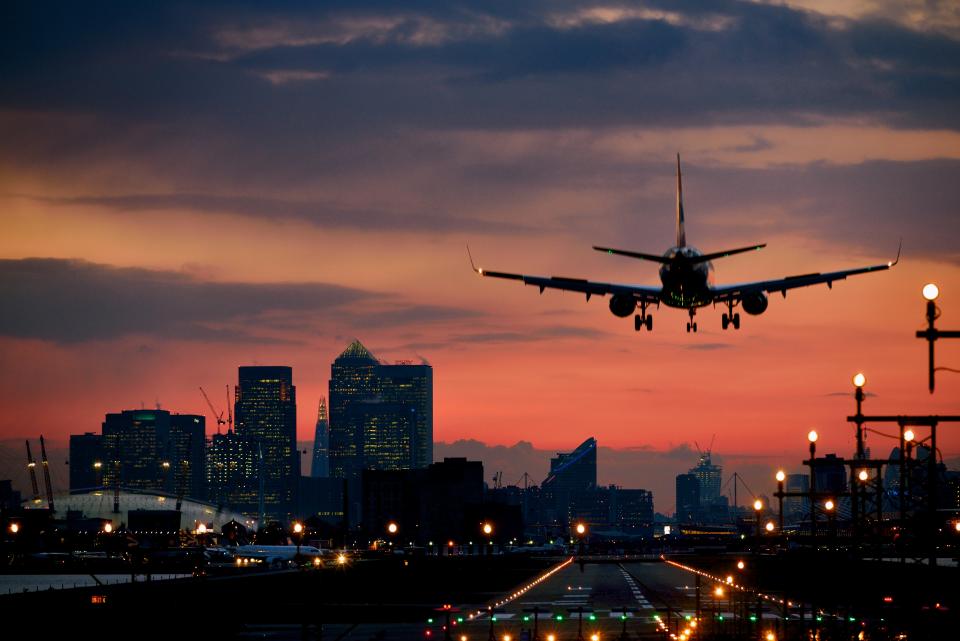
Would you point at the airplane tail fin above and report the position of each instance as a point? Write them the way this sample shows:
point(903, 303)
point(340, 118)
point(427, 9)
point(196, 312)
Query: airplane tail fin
point(681, 234)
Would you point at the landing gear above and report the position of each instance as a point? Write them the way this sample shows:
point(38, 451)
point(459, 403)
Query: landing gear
point(729, 318)
point(692, 325)
point(643, 319)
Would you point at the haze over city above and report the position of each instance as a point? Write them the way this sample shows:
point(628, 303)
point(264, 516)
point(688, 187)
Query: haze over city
point(187, 190)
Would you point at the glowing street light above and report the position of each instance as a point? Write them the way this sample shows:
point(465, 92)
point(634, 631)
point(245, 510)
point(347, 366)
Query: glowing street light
point(781, 476)
point(812, 436)
point(581, 529)
point(341, 559)
point(298, 528)
point(769, 526)
point(859, 380)
point(863, 475)
point(908, 436)
point(487, 529)
point(829, 505)
point(741, 565)
point(758, 505)
point(718, 591)
point(931, 292)
point(14, 528)
point(392, 527)
point(108, 527)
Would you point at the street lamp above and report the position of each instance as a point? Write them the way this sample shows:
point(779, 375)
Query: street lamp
point(487, 529)
point(14, 528)
point(108, 527)
point(931, 292)
point(769, 527)
point(863, 475)
point(741, 565)
point(781, 477)
point(812, 436)
point(298, 530)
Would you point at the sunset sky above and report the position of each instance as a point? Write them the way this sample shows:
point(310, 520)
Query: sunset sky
point(184, 190)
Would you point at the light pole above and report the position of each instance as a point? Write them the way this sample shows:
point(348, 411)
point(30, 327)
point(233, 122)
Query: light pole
point(781, 477)
point(392, 529)
point(830, 506)
point(581, 530)
point(757, 509)
point(812, 436)
point(488, 532)
point(931, 292)
point(298, 531)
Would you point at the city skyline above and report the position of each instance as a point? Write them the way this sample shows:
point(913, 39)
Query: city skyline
point(194, 238)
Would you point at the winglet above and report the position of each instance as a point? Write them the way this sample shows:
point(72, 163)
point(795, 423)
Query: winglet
point(475, 268)
point(897, 260)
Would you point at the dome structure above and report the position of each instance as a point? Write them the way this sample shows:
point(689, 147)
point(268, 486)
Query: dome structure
point(98, 504)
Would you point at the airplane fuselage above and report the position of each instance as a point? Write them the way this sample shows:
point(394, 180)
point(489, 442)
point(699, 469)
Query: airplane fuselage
point(686, 284)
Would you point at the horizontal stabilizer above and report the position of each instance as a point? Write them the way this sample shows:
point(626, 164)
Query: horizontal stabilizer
point(724, 254)
point(623, 252)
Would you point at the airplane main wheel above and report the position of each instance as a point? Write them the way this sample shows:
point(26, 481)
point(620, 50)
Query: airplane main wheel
point(688, 328)
point(649, 323)
point(637, 323)
point(694, 327)
point(736, 320)
point(725, 321)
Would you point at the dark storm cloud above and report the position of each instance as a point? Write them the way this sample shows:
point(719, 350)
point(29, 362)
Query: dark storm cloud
point(71, 300)
point(317, 213)
point(756, 63)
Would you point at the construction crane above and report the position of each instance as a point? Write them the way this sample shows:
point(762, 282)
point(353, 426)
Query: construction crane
point(217, 415)
point(32, 466)
point(229, 411)
point(46, 474)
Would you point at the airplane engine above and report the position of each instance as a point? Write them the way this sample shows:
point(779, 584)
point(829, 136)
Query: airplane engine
point(622, 305)
point(754, 304)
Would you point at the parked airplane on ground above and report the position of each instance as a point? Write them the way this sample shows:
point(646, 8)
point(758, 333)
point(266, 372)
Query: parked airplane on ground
point(687, 277)
point(277, 555)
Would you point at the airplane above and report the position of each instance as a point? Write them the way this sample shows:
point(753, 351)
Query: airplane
point(275, 555)
point(686, 275)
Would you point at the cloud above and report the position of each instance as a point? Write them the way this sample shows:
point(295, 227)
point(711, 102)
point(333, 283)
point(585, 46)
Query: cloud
point(324, 214)
point(707, 347)
point(73, 300)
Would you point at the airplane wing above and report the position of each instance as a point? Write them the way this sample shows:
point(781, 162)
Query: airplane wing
point(588, 287)
point(726, 293)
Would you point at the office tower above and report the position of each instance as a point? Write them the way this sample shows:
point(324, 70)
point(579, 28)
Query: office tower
point(266, 419)
point(230, 462)
point(154, 450)
point(387, 433)
point(710, 477)
point(86, 461)
point(320, 465)
point(352, 379)
point(688, 498)
point(631, 510)
point(572, 478)
point(381, 415)
point(411, 384)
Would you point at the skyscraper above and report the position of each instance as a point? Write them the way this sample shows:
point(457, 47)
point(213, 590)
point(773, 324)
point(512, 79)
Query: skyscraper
point(688, 498)
point(352, 379)
point(411, 384)
point(710, 477)
point(154, 450)
point(572, 479)
point(381, 415)
point(266, 419)
point(230, 462)
point(320, 465)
